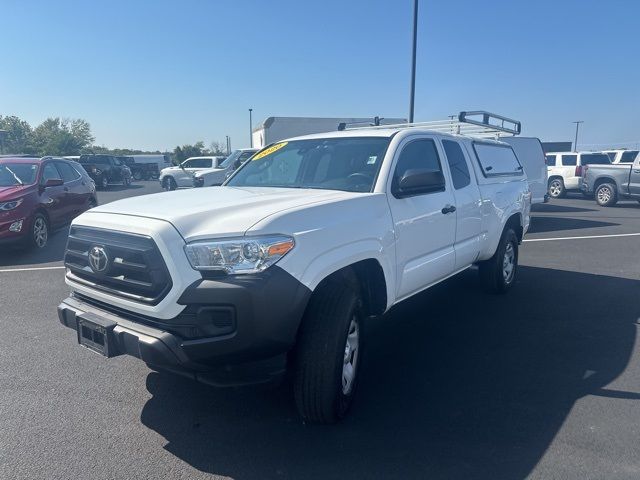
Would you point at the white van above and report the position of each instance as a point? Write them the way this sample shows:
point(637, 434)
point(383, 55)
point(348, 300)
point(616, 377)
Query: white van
point(531, 155)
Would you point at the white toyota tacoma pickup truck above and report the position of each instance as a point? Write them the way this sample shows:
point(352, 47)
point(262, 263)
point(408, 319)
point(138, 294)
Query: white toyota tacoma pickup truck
point(282, 265)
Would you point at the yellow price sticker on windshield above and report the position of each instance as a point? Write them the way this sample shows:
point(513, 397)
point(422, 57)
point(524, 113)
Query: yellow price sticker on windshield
point(269, 151)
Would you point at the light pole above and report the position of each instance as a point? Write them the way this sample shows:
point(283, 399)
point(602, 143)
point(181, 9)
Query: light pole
point(413, 60)
point(250, 128)
point(3, 135)
point(575, 144)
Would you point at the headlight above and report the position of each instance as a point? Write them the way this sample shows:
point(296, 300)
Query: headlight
point(238, 255)
point(6, 206)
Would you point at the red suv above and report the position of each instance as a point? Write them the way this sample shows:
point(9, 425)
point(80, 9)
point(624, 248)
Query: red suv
point(40, 194)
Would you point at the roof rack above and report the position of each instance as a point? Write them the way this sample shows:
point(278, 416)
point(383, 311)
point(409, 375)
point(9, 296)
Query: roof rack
point(489, 125)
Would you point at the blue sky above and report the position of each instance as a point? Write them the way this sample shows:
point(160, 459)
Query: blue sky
point(155, 74)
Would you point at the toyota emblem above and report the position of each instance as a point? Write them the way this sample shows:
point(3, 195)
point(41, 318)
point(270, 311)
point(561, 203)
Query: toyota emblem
point(98, 259)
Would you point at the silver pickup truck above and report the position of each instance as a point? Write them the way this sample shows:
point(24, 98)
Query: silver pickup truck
point(610, 183)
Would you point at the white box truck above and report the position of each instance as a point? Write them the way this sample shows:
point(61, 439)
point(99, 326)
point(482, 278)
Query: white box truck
point(274, 129)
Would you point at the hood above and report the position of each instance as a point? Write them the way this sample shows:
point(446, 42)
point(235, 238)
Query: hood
point(9, 193)
point(217, 211)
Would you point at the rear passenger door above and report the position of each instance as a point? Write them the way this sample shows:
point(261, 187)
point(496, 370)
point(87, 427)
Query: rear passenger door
point(467, 202)
point(425, 223)
point(76, 191)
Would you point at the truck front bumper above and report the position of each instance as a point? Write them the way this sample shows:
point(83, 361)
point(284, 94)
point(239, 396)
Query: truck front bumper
point(249, 345)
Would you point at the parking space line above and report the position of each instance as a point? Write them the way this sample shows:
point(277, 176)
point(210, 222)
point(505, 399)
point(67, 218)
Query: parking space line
point(31, 269)
point(613, 235)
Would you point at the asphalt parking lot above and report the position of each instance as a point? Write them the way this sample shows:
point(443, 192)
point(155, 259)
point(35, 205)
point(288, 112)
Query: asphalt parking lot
point(541, 383)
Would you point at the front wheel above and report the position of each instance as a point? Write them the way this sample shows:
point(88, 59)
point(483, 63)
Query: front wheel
point(168, 183)
point(498, 274)
point(137, 176)
point(39, 235)
point(328, 354)
point(104, 182)
point(606, 195)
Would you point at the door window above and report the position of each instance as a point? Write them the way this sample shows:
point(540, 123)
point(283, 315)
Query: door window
point(50, 172)
point(457, 164)
point(550, 160)
point(569, 160)
point(418, 154)
point(68, 173)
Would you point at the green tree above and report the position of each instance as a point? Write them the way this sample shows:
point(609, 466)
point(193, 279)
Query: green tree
point(19, 137)
point(57, 136)
point(180, 154)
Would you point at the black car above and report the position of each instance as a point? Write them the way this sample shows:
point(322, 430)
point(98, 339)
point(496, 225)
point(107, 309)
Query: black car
point(141, 171)
point(106, 169)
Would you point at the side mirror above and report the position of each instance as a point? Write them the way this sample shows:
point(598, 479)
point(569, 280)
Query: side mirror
point(53, 182)
point(418, 181)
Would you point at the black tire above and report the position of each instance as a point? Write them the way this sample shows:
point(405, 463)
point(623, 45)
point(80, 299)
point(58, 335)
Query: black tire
point(137, 176)
point(168, 183)
point(39, 231)
point(321, 351)
point(104, 182)
point(606, 195)
point(556, 188)
point(493, 271)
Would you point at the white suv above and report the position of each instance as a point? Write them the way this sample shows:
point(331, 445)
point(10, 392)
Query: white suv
point(564, 170)
point(217, 175)
point(182, 175)
point(282, 265)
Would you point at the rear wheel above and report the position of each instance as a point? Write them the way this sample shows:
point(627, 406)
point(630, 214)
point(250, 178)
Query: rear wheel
point(328, 354)
point(104, 182)
point(39, 235)
point(556, 188)
point(498, 274)
point(606, 195)
point(137, 175)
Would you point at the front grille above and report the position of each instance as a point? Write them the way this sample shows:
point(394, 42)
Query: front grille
point(134, 268)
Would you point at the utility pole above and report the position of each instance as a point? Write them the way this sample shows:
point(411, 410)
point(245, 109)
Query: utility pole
point(413, 60)
point(575, 144)
point(250, 128)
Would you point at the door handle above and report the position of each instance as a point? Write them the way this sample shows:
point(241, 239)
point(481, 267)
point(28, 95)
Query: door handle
point(448, 209)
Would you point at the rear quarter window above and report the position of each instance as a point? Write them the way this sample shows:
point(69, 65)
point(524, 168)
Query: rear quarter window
point(497, 160)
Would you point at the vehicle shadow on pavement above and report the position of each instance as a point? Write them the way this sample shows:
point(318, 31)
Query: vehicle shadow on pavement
point(553, 224)
point(16, 256)
point(457, 384)
point(553, 208)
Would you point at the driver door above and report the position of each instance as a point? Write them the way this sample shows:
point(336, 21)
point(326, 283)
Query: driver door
point(54, 199)
point(424, 224)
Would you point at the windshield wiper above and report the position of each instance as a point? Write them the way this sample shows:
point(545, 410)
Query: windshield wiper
point(20, 182)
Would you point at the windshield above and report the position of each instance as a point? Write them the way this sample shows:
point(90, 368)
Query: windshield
point(348, 163)
point(17, 174)
point(230, 159)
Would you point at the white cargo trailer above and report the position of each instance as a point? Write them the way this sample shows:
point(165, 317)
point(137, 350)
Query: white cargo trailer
point(274, 129)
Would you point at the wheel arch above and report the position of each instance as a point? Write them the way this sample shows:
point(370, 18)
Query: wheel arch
point(368, 277)
point(600, 180)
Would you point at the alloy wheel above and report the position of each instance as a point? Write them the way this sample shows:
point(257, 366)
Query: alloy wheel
point(509, 263)
point(351, 354)
point(40, 232)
